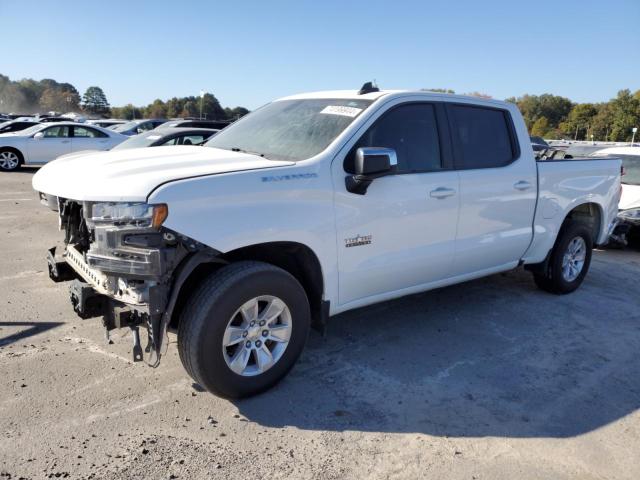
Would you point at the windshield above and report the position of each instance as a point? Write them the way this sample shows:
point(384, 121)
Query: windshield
point(125, 126)
point(139, 141)
point(31, 130)
point(290, 129)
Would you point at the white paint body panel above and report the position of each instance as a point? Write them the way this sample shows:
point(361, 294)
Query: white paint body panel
point(563, 185)
point(38, 151)
point(630, 197)
point(230, 200)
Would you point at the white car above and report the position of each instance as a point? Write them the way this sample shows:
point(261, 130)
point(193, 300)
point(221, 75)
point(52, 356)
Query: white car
point(629, 206)
point(42, 143)
point(310, 206)
point(630, 156)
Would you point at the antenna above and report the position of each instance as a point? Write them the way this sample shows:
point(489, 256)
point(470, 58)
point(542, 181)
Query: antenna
point(368, 87)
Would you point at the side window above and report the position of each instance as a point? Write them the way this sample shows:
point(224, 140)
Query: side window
point(412, 131)
point(482, 137)
point(85, 132)
point(145, 127)
point(56, 132)
point(171, 141)
point(192, 139)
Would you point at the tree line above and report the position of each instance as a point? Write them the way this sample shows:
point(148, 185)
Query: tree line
point(546, 115)
point(556, 117)
point(40, 96)
point(206, 106)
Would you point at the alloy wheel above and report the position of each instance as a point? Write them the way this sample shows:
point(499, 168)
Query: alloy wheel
point(257, 335)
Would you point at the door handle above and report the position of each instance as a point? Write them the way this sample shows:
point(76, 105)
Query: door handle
point(65, 141)
point(522, 185)
point(442, 192)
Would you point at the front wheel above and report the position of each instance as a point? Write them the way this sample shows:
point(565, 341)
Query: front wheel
point(569, 261)
point(9, 160)
point(243, 329)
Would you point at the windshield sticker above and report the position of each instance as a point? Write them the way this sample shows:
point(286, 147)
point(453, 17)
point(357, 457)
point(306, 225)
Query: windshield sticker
point(154, 137)
point(341, 110)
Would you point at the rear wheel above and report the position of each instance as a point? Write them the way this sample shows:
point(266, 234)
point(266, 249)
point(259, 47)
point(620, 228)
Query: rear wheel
point(569, 261)
point(10, 160)
point(243, 329)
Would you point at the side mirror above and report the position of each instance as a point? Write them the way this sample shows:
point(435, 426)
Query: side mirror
point(370, 163)
point(39, 135)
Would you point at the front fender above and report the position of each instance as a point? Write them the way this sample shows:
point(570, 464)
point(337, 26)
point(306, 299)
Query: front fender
point(233, 210)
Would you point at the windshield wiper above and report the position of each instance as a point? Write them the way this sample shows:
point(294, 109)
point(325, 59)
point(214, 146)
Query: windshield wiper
point(242, 150)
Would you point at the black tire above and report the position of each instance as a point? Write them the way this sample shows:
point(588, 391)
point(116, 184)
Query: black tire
point(13, 152)
point(553, 280)
point(208, 311)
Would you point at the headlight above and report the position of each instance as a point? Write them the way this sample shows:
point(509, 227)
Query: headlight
point(138, 214)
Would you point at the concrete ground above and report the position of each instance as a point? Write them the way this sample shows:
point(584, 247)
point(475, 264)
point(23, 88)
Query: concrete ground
point(492, 379)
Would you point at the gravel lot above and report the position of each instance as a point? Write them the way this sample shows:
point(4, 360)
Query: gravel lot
point(491, 379)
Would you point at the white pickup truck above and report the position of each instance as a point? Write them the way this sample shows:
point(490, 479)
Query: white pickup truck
point(310, 206)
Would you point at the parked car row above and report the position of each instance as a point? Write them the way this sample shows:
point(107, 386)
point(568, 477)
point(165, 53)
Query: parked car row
point(125, 127)
point(33, 143)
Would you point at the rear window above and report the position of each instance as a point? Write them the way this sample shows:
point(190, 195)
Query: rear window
point(85, 132)
point(482, 137)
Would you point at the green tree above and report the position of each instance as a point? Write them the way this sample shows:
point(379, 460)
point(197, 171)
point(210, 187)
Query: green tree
point(580, 121)
point(554, 108)
point(235, 113)
point(626, 115)
point(211, 108)
point(603, 121)
point(128, 112)
point(157, 109)
point(190, 109)
point(540, 127)
point(59, 97)
point(174, 107)
point(95, 101)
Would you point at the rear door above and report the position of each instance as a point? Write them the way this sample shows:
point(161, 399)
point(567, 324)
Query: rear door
point(498, 189)
point(401, 233)
point(87, 138)
point(55, 141)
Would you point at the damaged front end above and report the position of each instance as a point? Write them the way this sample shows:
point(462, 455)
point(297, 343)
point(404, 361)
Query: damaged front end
point(123, 261)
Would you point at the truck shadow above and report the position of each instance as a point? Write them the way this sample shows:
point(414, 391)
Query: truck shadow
point(493, 357)
point(34, 328)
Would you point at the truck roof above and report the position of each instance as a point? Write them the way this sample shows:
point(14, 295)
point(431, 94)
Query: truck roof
point(353, 94)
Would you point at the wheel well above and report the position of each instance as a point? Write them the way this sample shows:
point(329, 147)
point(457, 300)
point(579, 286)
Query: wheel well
point(14, 150)
point(295, 258)
point(590, 215)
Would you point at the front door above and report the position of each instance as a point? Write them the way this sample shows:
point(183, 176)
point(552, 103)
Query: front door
point(56, 141)
point(401, 233)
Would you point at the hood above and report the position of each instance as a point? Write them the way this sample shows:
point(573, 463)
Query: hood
point(131, 175)
point(630, 197)
point(79, 153)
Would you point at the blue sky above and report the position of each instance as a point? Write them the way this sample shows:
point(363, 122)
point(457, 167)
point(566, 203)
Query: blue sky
point(248, 53)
